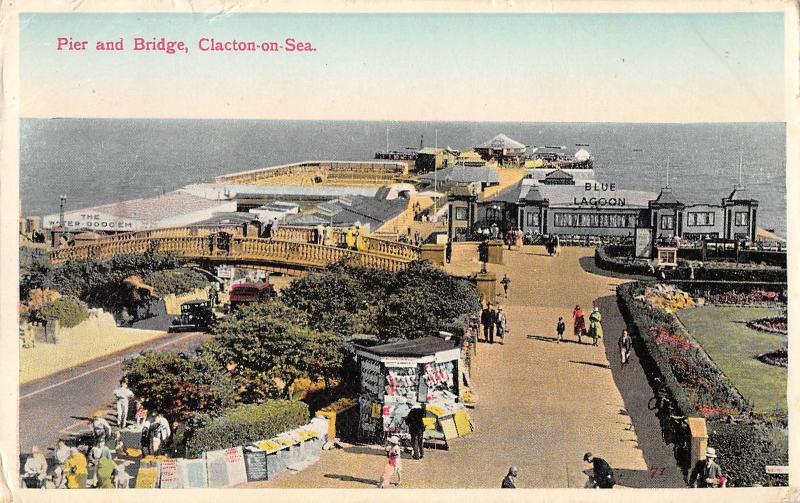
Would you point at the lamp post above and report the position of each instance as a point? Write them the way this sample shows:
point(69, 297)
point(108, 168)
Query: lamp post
point(63, 199)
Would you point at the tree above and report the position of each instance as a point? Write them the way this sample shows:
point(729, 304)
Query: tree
point(266, 346)
point(179, 385)
point(423, 300)
point(336, 300)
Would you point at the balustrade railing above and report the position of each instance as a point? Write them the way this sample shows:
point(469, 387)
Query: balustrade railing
point(305, 254)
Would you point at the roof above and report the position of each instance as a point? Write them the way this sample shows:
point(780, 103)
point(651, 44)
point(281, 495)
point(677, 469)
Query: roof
point(227, 218)
point(558, 174)
point(349, 210)
point(157, 208)
point(666, 197)
point(501, 141)
point(243, 191)
point(582, 155)
point(739, 194)
point(424, 346)
point(464, 174)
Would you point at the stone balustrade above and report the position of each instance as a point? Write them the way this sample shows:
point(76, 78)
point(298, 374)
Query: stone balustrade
point(198, 247)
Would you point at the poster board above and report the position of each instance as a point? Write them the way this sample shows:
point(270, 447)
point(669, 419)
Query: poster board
point(255, 465)
point(170, 477)
point(643, 243)
point(226, 467)
point(448, 427)
point(217, 469)
point(193, 473)
point(147, 477)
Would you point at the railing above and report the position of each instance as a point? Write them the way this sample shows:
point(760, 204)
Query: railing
point(256, 249)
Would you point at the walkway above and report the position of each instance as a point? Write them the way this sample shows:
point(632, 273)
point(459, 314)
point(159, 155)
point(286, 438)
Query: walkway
point(541, 404)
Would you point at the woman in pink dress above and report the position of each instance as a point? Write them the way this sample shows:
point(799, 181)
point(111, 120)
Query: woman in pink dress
point(578, 322)
point(392, 462)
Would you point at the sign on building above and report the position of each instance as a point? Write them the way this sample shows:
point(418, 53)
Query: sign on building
point(643, 243)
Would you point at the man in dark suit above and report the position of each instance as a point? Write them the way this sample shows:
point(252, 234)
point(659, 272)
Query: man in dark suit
point(416, 427)
point(488, 319)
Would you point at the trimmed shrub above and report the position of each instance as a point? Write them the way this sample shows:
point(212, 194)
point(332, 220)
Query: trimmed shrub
point(175, 281)
point(248, 423)
point(66, 310)
point(744, 451)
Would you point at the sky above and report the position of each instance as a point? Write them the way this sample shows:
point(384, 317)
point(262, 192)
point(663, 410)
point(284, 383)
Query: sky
point(726, 67)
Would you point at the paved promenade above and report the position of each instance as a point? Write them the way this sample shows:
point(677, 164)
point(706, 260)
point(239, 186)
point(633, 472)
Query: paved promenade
point(541, 404)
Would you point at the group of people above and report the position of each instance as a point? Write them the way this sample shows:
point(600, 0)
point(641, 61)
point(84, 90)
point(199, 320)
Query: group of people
point(494, 322)
point(514, 238)
point(602, 474)
point(95, 463)
point(553, 245)
point(595, 330)
point(324, 235)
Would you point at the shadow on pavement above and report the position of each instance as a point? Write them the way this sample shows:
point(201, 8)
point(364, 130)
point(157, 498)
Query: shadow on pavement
point(348, 478)
point(372, 451)
point(555, 339)
point(593, 364)
point(636, 392)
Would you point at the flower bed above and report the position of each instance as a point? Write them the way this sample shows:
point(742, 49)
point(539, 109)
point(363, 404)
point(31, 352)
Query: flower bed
point(778, 358)
point(746, 442)
point(775, 325)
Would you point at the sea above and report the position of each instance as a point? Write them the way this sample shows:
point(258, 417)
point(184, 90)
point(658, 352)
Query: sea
point(98, 161)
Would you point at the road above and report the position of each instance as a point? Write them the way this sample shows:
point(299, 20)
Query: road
point(57, 405)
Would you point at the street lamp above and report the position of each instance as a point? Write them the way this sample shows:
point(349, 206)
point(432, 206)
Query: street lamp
point(63, 198)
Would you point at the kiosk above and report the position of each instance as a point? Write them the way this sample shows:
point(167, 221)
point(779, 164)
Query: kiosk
point(397, 376)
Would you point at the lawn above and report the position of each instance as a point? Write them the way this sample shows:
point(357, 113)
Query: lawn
point(724, 335)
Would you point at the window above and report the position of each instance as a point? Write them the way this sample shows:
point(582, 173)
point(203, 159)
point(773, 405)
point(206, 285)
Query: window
point(461, 213)
point(740, 219)
point(667, 222)
point(615, 220)
point(532, 219)
point(700, 218)
point(493, 214)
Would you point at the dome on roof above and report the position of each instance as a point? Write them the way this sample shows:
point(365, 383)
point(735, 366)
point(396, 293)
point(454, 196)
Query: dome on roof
point(502, 141)
point(582, 155)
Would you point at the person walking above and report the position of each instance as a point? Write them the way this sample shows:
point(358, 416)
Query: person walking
point(560, 327)
point(510, 238)
point(556, 245)
point(505, 282)
point(625, 344)
point(122, 397)
point(578, 322)
point(392, 467)
point(448, 250)
point(416, 427)
point(706, 473)
point(495, 231)
point(519, 238)
point(510, 482)
point(101, 430)
point(501, 324)
point(159, 433)
point(487, 320)
point(595, 325)
point(76, 470)
point(602, 473)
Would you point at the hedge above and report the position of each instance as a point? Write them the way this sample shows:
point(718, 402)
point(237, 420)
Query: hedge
point(744, 451)
point(248, 423)
point(639, 319)
point(611, 258)
point(175, 281)
point(66, 310)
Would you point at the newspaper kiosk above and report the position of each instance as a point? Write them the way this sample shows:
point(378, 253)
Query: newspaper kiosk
point(397, 376)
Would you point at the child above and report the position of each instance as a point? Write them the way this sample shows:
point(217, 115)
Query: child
point(141, 413)
point(505, 282)
point(392, 462)
point(560, 327)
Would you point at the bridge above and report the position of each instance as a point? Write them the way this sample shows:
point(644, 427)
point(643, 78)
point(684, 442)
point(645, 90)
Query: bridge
point(291, 249)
